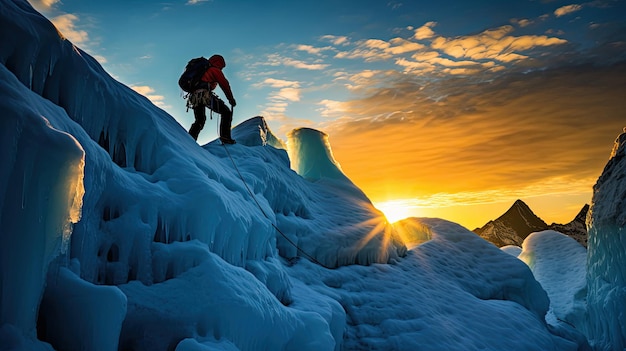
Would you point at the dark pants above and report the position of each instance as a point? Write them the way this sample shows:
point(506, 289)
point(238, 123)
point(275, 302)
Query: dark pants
point(218, 106)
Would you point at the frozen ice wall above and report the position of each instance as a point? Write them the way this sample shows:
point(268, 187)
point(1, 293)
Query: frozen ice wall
point(606, 271)
point(312, 155)
point(41, 190)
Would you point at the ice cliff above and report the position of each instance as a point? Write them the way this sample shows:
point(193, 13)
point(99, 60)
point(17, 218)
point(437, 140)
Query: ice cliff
point(606, 264)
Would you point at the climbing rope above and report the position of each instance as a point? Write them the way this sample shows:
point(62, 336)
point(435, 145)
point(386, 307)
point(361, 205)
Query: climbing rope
point(304, 253)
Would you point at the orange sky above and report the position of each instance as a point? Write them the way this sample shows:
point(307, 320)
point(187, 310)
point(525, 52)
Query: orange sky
point(465, 150)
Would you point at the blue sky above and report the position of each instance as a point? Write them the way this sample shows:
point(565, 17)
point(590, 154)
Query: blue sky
point(448, 104)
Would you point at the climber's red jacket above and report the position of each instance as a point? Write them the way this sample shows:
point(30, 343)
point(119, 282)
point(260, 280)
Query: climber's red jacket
point(214, 76)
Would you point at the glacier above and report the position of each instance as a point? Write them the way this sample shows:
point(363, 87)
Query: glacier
point(119, 232)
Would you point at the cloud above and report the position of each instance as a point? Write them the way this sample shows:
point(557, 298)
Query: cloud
point(313, 50)
point(43, 5)
point(278, 83)
point(66, 25)
point(288, 91)
point(289, 94)
point(494, 44)
point(336, 40)
point(278, 60)
point(101, 59)
point(566, 10)
point(492, 50)
point(394, 5)
point(522, 22)
point(196, 2)
point(402, 46)
point(425, 31)
point(377, 49)
point(148, 92)
point(331, 108)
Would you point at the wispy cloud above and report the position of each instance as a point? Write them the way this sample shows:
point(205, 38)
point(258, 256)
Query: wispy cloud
point(377, 49)
point(149, 92)
point(331, 108)
point(394, 5)
point(524, 22)
point(66, 25)
point(278, 60)
point(566, 10)
point(101, 59)
point(43, 5)
point(336, 40)
point(278, 83)
point(196, 2)
point(288, 91)
point(425, 31)
point(313, 50)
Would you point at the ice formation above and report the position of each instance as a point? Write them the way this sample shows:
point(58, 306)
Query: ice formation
point(606, 273)
point(119, 232)
point(558, 262)
point(41, 191)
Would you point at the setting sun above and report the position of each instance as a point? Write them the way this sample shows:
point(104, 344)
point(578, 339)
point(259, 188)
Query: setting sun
point(395, 210)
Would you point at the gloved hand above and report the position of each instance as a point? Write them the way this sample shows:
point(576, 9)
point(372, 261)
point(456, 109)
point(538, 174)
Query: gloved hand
point(232, 102)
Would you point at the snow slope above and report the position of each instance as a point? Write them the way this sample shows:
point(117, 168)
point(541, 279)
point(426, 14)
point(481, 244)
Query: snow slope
point(558, 262)
point(119, 232)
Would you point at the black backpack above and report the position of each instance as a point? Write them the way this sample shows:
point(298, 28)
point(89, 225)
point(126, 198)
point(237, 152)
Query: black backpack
point(190, 80)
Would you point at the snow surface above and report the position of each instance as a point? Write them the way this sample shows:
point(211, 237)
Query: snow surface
point(558, 262)
point(119, 232)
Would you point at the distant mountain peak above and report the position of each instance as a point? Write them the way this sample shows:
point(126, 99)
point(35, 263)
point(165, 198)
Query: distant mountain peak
point(519, 221)
point(513, 226)
point(519, 202)
point(522, 218)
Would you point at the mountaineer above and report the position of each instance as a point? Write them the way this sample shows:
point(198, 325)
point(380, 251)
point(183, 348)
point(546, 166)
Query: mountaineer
point(200, 78)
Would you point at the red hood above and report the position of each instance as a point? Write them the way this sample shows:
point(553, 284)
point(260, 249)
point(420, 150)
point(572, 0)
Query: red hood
point(217, 61)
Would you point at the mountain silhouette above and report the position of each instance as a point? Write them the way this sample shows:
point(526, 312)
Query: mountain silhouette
point(577, 228)
point(513, 226)
point(519, 221)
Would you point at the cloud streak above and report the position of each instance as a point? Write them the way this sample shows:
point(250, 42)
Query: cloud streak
point(278, 60)
point(196, 2)
point(566, 10)
point(66, 25)
point(43, 5)
point(149, 92)
point(288, 91)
